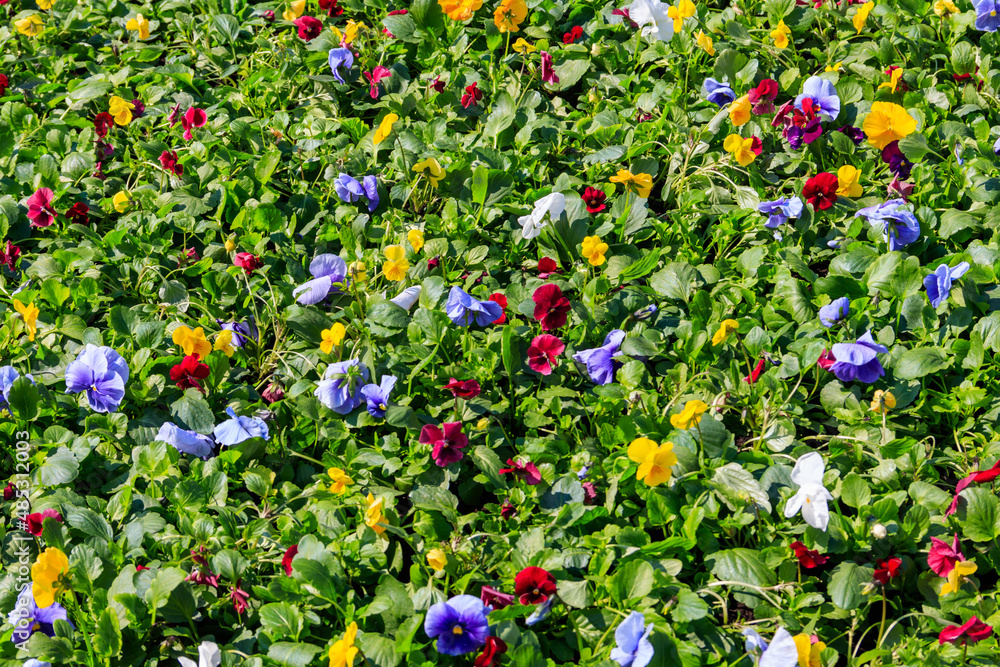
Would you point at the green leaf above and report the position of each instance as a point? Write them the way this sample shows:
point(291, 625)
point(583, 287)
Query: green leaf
point(293, 654)
point(744, 566)
point(738, 488)
point(847, 584)
point(90, 523)
point(108, 638)
point(689, 607)
point(632, 582)
point(24, 399)
point(480, 183)
point(979, 514)
point(266, 165)
point(191, 411)
point(281, 620)
point(166, 580)
point(855, 491)
point(920, 362)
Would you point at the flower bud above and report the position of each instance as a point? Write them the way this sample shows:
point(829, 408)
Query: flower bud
point(596, 49)
point(230, 245)
point(879, 531)
point(593, 97)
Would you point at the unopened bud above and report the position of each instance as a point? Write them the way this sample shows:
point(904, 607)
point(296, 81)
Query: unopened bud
point(879, 531)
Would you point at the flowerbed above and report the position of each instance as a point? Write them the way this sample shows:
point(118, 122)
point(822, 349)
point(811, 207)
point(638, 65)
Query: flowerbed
point(340, 333)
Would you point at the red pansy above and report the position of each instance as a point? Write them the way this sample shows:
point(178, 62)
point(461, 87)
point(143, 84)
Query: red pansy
point(188, 373)
point(821, 191)
point(533, 585)
point(463, 388)
point(551, 306)
point(543, 352)
point(808, 558)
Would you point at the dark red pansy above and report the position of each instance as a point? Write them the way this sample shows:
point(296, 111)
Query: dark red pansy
point(533, 585)
point(78, 213)
point(507, 510)
point(808, 558)
point(821, 191)
point(594, 199)
point(9, 258)
point(494, 598)
point(551, 307)
point(34, 521)
point(332, 7)
point(546, 267)
point(463, 388)
point(309, 28)
point(189, 373)
point(168, 160)
point(755, 373)
point(494, 647)
point(4, 83)
point(472, 95)
point(103, 122)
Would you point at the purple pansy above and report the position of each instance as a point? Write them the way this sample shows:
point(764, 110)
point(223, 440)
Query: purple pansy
point(859, 360)
point(938, 284)
point(340, 388)
point(464, 309)
point(328, 272)
point(102, 373)
point(459, 625)
point(780, 210)
point(835, 311)
point(599, 361)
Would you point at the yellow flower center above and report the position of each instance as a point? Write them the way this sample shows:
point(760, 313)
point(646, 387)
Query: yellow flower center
point(457, 630)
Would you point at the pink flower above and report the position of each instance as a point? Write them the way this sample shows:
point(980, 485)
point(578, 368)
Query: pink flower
point(9, 258)
point(448, 444)
point(374, 77)
point(247, 262)
point(495, 598)
point(976, 477)
point(507, 511)
point(897, 188)
point(174, 114)
point(543, 352)
point(942, 558)
point(193, 117)
point(309, 27)
point(525, 471)
point(826, 360)
point(972, 630)
point(239, 597)
point(548, 72)
point(40, 211)
point(286, 560)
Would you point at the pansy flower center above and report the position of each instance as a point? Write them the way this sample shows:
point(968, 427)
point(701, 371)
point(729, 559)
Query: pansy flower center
point(457, 630)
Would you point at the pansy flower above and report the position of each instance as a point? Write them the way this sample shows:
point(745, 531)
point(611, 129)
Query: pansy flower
point(447, 442)
point(551, 307)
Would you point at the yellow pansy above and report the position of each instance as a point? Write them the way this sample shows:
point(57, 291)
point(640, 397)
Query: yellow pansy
point(395, 266)
point(460, 10)
point(641, 184)
point(30, 315)
point(224, 342)
point(437, 559)
point(121, 110)
point(343, 651)
point(358, 271)
point(836, 67)
point(684, 9)
point(29, 25)
point(192, 342)
point(294, 10)
point(384, 128)
point(883, 401)
point(955, 578)
point(594, 249)
point(893, 81)
point(374, 515)
point(654, 460)
point(945, 8)
point(690, 415)
point(432, 168)
point(350, 32)
point(741, 149)
point(121, 201)
point(705, 42)
point(44, 5)
point(523, 47)
point(780, 35)
point(482, 423)
point(139, 23)
point(727, 327)
point(809, 653)
point(50, 566)
point(509, 16)
point(340, 480)
point(861, 15)
point(886, 123)
point(847, 182)
point(416, 239)
point(332, 337)
point(739, 111)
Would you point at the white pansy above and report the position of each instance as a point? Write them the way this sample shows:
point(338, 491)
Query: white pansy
point(551, 205)
point(408, 297)
point(811, 497)
point(209, 655)
point(651, 15)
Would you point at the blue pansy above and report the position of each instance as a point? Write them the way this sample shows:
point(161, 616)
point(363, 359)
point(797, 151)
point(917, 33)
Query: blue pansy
point(7, 376)
point(938, 284)
point(825, 101)
point(899, 226)
point(28, 618)
point(328, 272)
point(340, 388)
point(102, 373)
point(459, 625)
point(987, 15)
point(464, 309)
point(718, 93)
point(340, 58)
point(188, 442)
point(780, 210)
point(599, 361)
point(632, 636)
point(835, 311)
point(235, 430)
point(858, 360)
point(377, 395)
